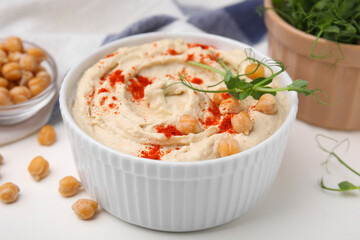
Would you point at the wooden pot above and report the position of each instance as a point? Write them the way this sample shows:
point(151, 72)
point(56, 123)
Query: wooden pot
point(341, 81)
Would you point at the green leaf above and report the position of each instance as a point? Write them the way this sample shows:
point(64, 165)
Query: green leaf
point(228, 79)
point(257, 80)
point(245, 94)
point(346, 186)
point(300, 86)
point(332, 29)
point(343, 186)
point(320, 5)
point(299, 83)
point(257, 94)
point(242, 84)
point(235, 95)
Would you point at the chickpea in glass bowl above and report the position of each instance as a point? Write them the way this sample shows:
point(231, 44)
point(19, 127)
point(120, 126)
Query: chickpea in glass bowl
point(27, 80)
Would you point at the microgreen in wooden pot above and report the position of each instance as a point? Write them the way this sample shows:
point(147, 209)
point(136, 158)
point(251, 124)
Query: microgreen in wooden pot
point(334, 20)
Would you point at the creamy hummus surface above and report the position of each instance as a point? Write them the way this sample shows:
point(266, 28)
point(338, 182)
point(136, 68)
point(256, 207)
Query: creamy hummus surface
point(133, 100)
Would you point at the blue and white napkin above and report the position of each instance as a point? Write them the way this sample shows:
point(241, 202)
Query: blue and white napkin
point(239, 21)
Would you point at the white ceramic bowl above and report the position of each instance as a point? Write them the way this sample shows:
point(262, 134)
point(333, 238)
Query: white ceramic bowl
point(173, 196)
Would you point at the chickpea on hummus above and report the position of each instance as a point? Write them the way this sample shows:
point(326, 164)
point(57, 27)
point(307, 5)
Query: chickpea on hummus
point(133, 101)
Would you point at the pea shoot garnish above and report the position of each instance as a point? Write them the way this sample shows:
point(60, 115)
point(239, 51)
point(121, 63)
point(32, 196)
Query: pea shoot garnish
point(344, 185)
point(239, 88)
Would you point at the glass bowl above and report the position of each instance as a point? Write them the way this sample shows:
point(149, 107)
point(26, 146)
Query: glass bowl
point(17, 113)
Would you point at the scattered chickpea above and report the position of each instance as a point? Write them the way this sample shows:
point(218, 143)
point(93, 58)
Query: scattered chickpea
point(241, 123)
point(29, 63)
point(3, 57)
point(4, 97)
point(228, 146)
point(85, 208)
point(46, 135)
point(229, 105)
point(14, 57)
point(37, 85)
point(218, 97)
point(188, 124)
point(69, 186)
point(3, 82)
point(267, 104)
point(14, 44)
point(9, 192)
point(38, 168)
point(11, 71)
point(19, 94)
point(1, 159)
point(37, 53)
point(25, 78)
point(258, 73)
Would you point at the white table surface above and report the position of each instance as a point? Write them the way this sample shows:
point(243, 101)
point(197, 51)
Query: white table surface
point(294, 208)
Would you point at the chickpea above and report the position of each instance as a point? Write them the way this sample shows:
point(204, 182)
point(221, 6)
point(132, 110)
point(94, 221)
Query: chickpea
point(1, 159)
point(241, 123)
point(29, 63)
point(3, 57)
point(19, 94)
point(38, 168)
point(9, 192)
point(14, 57)
point(37, 85)
point(11, 71)
point(25, 78)
point(43, 75)
point(188, 124)
point(3, 82)
point(218, 97)
point(41, 68)
point(3, 47)
point(4, 97)
point(46, 135)
point(85, 208)
point(37, 53)
point(14, 44)
point(267, 104)
point(228, 146)
point(258, 73)
point(69, 186)
point(229, 105)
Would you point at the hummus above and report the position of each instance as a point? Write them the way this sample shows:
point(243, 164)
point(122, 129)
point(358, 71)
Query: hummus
point(132, 101)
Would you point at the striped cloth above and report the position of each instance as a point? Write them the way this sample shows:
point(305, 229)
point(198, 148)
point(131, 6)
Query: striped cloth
point(239, 21)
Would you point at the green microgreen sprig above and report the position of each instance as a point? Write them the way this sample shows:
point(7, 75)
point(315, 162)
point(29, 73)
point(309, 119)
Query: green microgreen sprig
point(344, 185)
point(239, 88)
